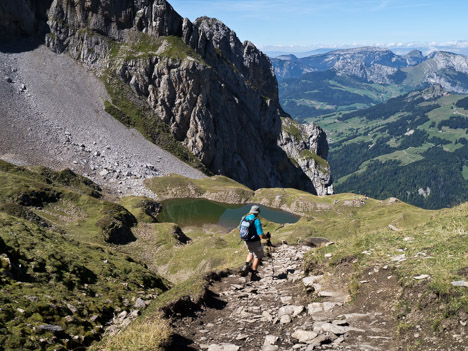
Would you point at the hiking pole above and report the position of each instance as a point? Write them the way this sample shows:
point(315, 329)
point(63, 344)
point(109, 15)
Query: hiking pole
point(272, 267)
point(269, 244)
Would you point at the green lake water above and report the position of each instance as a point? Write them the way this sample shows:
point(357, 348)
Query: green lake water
point(197, 212)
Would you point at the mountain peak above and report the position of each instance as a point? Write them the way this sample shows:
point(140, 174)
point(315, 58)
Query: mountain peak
point(415, 53)
point(289, 57)
point(433, 92)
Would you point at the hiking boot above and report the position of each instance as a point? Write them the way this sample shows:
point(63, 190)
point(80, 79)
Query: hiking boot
point(254, 277)
point(245, 270)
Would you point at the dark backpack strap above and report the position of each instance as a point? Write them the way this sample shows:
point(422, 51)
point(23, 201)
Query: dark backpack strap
point(252, 230)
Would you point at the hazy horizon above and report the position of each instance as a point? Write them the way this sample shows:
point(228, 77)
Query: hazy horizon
point(305, 25)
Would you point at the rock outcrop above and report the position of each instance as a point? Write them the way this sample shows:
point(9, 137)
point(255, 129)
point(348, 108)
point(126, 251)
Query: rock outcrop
point(219, 96)
point(307, 145)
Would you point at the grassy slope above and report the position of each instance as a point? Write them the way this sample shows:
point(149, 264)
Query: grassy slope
point(72, 228)
point(437, 246)
point(321, 93)
point(56, 252)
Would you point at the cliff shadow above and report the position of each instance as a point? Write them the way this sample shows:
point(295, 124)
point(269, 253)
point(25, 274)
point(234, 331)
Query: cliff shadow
point(14, 45)
point(23, 25)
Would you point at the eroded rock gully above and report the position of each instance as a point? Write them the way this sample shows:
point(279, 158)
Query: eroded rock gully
point(277, 313)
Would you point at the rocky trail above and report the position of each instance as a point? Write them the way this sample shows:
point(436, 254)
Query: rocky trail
point(286, 310)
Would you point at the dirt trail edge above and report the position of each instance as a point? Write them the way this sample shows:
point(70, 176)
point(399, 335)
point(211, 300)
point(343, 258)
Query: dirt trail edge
point(287, 311)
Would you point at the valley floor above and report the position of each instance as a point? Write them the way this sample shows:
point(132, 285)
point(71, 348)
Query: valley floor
point(52, 114)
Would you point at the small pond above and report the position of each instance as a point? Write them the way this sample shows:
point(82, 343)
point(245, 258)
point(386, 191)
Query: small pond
point(197, 212)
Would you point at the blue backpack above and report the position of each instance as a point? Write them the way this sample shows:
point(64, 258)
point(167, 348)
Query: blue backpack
point(247, 229)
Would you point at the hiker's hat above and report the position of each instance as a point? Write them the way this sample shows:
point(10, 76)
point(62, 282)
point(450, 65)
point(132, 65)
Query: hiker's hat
point(255, 209)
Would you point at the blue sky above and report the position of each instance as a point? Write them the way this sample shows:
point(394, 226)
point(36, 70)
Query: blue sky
point(308, 24)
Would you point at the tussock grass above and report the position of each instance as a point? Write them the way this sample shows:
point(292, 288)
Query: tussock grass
point(149, 334)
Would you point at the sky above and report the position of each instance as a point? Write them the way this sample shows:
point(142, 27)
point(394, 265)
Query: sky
point(301, 25)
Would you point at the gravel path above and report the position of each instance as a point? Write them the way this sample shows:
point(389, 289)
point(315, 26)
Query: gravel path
point(52, 114)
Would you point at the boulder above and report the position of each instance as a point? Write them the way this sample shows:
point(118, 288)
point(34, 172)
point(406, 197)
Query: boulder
point(304, 336)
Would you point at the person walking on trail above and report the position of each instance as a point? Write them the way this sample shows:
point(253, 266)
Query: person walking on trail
point(251, 232)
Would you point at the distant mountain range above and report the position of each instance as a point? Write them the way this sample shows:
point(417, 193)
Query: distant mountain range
point(397, 124)
point(460, 48)
point(351, 79)
point(382, 66)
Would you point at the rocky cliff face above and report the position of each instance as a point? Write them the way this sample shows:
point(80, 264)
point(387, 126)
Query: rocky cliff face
point(219, 96)
point(304, 143)
point(447, 69)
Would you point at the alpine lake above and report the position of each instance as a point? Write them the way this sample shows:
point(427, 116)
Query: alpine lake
point(199, 212)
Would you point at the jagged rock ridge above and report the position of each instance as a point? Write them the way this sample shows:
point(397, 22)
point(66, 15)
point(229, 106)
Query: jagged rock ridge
point(219, 96)
point(303, 143)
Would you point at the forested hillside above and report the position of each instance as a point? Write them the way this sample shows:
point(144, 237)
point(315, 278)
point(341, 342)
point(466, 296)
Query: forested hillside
point(413, 147)
point(319, 93)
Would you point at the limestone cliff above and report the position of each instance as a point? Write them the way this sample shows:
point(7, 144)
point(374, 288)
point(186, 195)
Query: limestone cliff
point(307, 145)
point(218, 96)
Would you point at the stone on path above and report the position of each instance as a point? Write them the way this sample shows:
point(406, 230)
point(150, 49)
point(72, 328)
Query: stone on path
point(327, 306)
point(286, 299)
point(267, 316)
point(270, 348)
point(314, 307)
point(335, 329)
point(309, 281)
point(304, 336)
point(270, 340)
point(298, 310)
point(285, 319)
point(319, 340)
point(286, 310)
point(223, 347)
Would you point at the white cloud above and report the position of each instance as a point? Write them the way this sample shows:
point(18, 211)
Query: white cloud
point(460, 47)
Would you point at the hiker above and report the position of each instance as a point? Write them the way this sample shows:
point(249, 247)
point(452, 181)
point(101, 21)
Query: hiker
point(251, 232)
